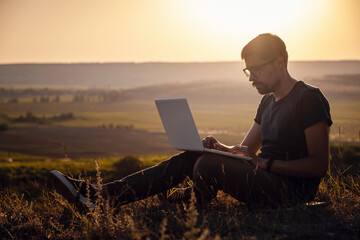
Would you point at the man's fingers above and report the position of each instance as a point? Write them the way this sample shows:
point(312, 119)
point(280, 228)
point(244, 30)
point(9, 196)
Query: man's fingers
point(206, 143)
point(239, 149)
point(216, 145)
point(209, 142)
point(234, 151)
point(243, 148)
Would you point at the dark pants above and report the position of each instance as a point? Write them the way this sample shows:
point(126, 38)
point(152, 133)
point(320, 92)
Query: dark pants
point(210, 173)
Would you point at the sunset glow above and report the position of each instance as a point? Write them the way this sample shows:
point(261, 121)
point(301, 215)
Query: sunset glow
point(225, 17)
point(173, 30)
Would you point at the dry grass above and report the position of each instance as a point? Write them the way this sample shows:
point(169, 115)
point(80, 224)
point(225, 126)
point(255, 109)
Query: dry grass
point(49, 216)
point(52, 217)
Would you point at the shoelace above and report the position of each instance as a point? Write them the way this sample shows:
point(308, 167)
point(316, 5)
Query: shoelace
point(175, 194)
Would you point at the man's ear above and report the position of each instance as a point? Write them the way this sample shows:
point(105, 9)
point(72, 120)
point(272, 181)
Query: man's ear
point(280, 62)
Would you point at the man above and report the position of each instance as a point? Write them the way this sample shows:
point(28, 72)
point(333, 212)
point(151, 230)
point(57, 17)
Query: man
point(291, 130)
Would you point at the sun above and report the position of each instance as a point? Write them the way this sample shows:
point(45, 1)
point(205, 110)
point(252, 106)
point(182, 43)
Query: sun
point(216, 19)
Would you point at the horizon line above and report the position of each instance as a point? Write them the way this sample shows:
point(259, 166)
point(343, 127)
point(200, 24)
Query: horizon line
point(163, 62)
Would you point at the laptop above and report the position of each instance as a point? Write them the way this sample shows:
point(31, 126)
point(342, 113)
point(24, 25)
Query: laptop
point(180, 127)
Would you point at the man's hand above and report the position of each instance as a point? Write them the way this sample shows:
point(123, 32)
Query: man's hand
point(258, 161)
point(212, 143)
point(239, 149)
point(255, 160)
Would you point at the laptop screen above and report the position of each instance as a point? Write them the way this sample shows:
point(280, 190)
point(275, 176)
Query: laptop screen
point(179, 124)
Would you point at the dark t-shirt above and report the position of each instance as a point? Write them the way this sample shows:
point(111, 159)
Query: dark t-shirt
point(283, 122)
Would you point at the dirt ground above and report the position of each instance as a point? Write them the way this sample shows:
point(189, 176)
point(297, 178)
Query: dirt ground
point(77, 142)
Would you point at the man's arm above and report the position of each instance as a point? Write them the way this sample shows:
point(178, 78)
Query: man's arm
point(253, 138)
point(315, 165)
point(252, 141)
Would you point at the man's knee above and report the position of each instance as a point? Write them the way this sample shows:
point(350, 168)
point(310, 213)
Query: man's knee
point(181, 159)
point(204, 177)
point(206, 164)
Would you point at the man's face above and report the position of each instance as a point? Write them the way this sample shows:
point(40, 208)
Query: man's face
point(263, 74)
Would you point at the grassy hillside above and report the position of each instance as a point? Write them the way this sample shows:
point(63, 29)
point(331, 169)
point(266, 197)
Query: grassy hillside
point(30, 210)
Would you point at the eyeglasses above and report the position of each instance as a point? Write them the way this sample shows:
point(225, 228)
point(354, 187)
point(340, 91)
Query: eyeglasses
point(255, 70)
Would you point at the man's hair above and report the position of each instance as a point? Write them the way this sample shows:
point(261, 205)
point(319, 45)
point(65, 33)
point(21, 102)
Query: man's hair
point(267, 46)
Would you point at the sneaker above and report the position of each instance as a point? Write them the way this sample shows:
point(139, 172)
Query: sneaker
point(71, 189)
point(174, 195)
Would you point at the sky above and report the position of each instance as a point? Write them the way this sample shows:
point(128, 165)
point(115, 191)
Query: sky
point(48, 31)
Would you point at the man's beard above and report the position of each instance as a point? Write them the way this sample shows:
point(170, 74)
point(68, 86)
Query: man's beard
point(267, 88)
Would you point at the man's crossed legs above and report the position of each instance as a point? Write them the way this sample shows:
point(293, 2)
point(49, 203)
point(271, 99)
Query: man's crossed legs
point(209, 172)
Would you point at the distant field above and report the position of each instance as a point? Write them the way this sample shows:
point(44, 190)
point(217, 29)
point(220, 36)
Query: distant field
point(140, 113)
point(85, 136)
point(225, 109)
point(233, 119)
point(346, 116)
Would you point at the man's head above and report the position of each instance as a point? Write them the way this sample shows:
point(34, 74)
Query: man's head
point(266, 62)
point(266, 46)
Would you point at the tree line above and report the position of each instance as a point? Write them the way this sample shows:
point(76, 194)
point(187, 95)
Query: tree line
point(29, 117)
point(46, 95)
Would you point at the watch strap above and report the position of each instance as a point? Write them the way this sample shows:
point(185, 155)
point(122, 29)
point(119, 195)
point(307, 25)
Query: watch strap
point(269, 164)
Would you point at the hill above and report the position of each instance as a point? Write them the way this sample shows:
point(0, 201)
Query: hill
point(126, 75)
point(335, 87)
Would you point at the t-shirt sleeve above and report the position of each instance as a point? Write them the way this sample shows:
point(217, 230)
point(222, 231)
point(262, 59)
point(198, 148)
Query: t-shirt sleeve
point(264, 102)
point(314, 108)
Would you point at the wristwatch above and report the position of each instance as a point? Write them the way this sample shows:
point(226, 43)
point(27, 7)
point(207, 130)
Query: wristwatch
point(269, 163)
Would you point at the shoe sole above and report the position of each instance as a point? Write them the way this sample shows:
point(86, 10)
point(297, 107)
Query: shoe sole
point(68, 191)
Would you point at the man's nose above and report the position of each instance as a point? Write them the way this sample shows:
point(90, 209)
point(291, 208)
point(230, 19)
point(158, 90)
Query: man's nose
point(252, 77)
